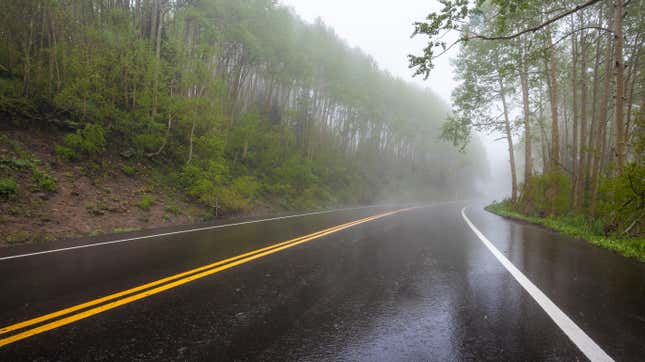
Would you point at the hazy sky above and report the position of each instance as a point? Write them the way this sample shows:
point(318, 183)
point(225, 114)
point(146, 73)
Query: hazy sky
point(382, 29)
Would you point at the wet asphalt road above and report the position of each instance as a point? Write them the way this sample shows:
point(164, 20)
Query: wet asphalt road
point(414, 286)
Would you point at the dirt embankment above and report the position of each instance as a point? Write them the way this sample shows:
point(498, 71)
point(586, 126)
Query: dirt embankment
point(46, 197)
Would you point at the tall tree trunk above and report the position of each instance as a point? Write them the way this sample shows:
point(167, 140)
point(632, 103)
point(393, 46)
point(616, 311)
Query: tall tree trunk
point(600, 131)
point(509, 140)
point(155, 87)
point(26, 76)
point(574, 147)
point(594, 113)
point(165, 140)
point(190, 145)
point(633, 75)
point(555, 134)
point(619, 74)
point(582, 166)
point(528, 158)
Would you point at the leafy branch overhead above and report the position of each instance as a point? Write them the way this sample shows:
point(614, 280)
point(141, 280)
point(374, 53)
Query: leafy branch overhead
point(454, 16)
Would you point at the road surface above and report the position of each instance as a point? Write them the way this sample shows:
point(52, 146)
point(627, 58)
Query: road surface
point(434, 283)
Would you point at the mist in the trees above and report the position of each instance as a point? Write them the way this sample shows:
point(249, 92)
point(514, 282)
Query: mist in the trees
point(241, 102)
point(551, 79)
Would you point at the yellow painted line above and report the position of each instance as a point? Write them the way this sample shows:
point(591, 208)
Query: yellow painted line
point(197, 273)
point(75, 308)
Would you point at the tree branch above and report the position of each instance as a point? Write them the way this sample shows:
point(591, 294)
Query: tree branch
point(447, 49)
point(535, 28)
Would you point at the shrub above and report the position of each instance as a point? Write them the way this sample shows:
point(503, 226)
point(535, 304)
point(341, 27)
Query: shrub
point(146, 202)
point(128, 170)
point(124, 230)
point(246, 186)
point(172, 209)
point(16, 164)
point(65, 152)
point(621, 199)
point(147, 142)
point(542, 189)
point(230, 199)
point(95, 209)
point(89, 140)
point(8, 187)
point(44, 181)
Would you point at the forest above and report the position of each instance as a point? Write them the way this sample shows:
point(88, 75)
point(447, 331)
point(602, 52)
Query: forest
point(232, 102)
point(562, 83)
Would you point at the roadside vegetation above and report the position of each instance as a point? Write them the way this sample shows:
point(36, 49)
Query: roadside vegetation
point(564, 84)
point(44, 195)
point(579, 227)
point(237, 106)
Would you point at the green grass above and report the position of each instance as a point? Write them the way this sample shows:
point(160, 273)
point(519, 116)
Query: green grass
point(146, 202)
point(578, 227)
point(128, 170)
point(124, 230)
point(172, 209)
point(43, 180)
point(8, 187)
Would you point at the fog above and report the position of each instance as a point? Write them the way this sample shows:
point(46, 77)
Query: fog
point(382, 29)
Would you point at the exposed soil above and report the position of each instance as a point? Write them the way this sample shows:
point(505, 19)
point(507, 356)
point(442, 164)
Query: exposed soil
point(87, 200)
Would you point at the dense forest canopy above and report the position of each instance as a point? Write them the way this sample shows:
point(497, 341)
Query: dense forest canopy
point(238, 100)
point(566, 79)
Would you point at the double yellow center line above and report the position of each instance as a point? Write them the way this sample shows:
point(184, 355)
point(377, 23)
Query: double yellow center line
point(84, 310)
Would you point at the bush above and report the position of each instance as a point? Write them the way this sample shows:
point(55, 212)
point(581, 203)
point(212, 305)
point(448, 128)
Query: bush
point(621, 199)
point(128, 170)
point(146, 202)
point(246, 186)
point(8, 187)
point(542, 189)
point(147, 142)
point(14, 164)
point(172, 209)
point(89, 141)
point(44, 181)
point(65, 152)
point(579, 227)
point(211, 186)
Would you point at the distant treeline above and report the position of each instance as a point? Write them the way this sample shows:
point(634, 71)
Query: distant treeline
point(239, 99)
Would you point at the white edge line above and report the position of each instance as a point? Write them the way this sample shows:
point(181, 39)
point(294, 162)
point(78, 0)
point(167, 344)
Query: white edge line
point(577, 335)
point(186, 231)
point(179, 232)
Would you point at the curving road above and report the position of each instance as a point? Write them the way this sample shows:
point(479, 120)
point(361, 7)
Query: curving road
point(435, 283)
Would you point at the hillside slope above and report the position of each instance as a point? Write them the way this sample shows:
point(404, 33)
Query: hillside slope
point(56, 198)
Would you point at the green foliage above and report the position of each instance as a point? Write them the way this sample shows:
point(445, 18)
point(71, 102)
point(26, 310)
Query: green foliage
point(547, 188)
point(23, 162)
point(578, 226)
point(457, 132)
point(172, 209)
point(146, 202)
point(246, 186)
point(128, 170)
point(44, 181)
point(65, 152)
point(15, 164)
point(18, 237)
point(89, 141)
point(124, 230)
point(94, 209)
point(296, 117)
point(8, 187)
point(452, 17)
point(622, 198)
